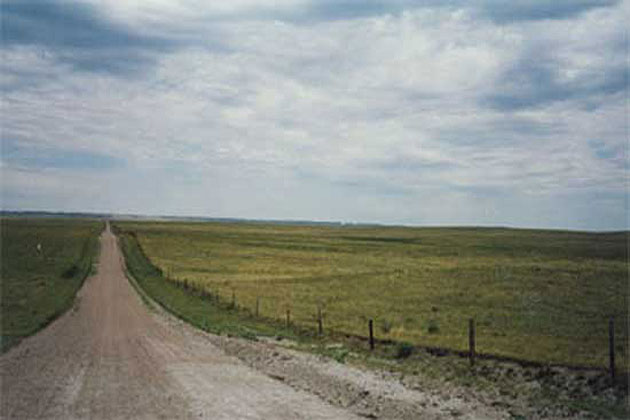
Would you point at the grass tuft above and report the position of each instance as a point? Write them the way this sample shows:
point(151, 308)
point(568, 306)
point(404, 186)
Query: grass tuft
point(433, 327)
point(404, 350)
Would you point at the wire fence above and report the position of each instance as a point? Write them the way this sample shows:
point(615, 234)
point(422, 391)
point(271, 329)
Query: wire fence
point(320, 320)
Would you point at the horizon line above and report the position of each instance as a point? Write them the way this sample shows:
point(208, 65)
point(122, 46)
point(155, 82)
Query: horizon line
point(166, 217)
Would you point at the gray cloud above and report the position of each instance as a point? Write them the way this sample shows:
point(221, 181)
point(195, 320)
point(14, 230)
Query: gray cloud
point(530, 10)
point(498, 11)
point(535, 80)
point(79, 34)
point(20, 155)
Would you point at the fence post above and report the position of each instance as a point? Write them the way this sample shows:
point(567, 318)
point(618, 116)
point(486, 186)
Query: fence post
point(257, 306)
point(320, 328)
point(611, 347)
point(371, 328)
point(471, 341)
point(288, 318)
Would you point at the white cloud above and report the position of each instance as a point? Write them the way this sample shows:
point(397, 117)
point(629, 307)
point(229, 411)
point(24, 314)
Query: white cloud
point(374, 116)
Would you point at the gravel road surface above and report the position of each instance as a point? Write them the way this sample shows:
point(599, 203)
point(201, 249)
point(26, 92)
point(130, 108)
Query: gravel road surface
point(110, 357)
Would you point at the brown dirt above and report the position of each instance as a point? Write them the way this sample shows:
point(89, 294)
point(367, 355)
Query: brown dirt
point(112, 358)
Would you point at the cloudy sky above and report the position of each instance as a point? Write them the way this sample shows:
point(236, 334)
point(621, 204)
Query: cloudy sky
point(436, 112)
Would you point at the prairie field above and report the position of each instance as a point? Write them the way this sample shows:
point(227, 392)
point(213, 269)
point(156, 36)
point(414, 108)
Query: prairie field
point(39, 283)
point(536, 295)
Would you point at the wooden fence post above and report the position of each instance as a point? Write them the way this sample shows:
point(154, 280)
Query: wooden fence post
point(320, 327)
point(257, 306)
point(611, 348)
point(371, 328)
point(288, 318)
point(471, 341)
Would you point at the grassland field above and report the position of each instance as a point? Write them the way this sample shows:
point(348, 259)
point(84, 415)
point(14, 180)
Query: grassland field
point(536, 295)
point(37, 285)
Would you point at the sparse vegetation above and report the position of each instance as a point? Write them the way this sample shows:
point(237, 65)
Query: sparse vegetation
point(44, 263)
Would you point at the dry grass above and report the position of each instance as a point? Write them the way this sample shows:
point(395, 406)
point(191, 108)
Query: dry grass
point(536, 295)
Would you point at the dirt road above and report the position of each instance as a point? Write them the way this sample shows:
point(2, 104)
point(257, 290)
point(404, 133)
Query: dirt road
point(110, 357)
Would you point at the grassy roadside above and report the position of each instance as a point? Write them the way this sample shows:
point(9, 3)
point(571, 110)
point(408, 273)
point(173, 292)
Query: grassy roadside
point(201, 310)
point(557, 390)
point(39, 283)
point(214, 314)
point(219, 316)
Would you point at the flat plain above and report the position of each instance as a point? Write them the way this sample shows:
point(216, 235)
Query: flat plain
point(544, 296)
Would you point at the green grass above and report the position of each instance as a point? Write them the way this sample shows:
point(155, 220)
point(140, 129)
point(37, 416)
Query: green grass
point(203, 311)
point(535, 295)
point(37, 286)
